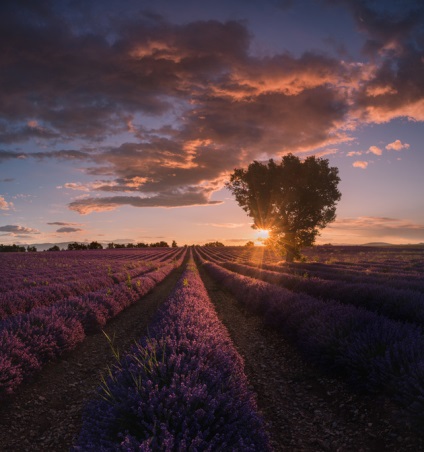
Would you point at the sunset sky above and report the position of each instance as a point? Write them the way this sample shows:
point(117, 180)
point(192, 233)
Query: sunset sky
point(122, 120)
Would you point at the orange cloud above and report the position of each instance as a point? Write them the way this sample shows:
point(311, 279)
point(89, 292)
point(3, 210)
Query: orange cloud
point(397, 146)
point(395, 230)
point(360, 164)
point(224, 225)
point(4, 205)
point(194, 197)
point(375, 150)
point(216, 103)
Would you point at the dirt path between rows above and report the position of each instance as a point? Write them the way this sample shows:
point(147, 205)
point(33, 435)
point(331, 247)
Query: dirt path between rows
point(305, 410)
point(45, 415)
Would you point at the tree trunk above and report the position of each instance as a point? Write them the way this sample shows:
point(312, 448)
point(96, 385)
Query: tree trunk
point(290, 246)
point(289, 254)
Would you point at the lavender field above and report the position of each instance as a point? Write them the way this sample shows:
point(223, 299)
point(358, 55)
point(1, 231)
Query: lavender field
point(353, 315)
point(360, 318)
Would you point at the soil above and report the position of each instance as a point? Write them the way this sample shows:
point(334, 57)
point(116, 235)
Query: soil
point(303, 409)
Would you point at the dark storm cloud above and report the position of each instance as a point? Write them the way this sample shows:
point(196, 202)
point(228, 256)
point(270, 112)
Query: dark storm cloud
point(394, 32)
point(189, 197)
point(16, 229)
point(64, 154)
point(71, 74)
point(61, 223)
point(387, 22)
point(68, 229)
point(10, 134)
point(10, 155)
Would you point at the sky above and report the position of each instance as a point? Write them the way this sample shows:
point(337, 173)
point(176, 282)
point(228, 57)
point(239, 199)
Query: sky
point(122, 120)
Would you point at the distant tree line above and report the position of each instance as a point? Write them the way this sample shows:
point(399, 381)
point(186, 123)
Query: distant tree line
point(110, 246)
point(16, 249)
point(12, 248)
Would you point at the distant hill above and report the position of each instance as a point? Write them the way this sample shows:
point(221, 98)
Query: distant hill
point(391, 244)
point(378, 244)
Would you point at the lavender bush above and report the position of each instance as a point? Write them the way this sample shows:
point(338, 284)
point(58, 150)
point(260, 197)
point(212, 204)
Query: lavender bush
point(397, 304)
point(28, 341)
point(181, 388)
point(371, 351)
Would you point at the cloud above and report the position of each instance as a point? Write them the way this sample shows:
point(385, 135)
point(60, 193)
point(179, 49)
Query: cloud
point(16, 229)
point(360, 164)
point(62, 223)
point(76, 186)
point(224, 225)
point(394, 86)
point(218, 106)
point(170, 199)
point(239, 105)
point(379, 228)
point(375, 150)
point(60, 155)
point(4, 205)
point(68, 229)
point(9, 155)
point(354, 153)
point(397, 146)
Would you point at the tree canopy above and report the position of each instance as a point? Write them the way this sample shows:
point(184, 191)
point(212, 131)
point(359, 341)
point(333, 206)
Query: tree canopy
point(293, 200)
point(213, 244)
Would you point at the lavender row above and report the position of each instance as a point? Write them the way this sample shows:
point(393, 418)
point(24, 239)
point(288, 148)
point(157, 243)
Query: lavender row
point(372, 352)
point(21, 270)
point(398, 279)
point(181, 388)
point(28, 341)
point(25, 301)
point(397, 304)
point(38, 269)
point(398, 263)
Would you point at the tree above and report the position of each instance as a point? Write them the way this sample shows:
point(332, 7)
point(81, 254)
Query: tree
point(95, 246)
point(174, 244)
point(249, 244)
point(12, 248)
point(214, 244)
point(161, 244)
point(54, 248)
point(31, 249)
point(293, 200)
point(77, 246)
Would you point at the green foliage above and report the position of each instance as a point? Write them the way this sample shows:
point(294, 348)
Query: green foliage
point(160, 244)
point(293, 199)
point(12, 248)
point(214, 244)
point(95, 246)
point(128, 281)
point(54, 248)
point(77, 246)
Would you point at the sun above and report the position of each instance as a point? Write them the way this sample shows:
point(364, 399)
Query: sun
point(262, 234)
